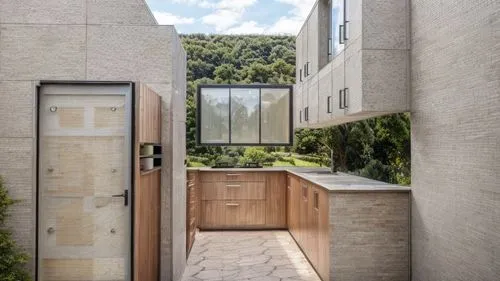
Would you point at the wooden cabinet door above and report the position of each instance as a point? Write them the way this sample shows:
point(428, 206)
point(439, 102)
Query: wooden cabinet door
point(213, 214)
point(276, 188)
point(303, 215)
point(313, 220)
point(245, 213)
point(323, 262)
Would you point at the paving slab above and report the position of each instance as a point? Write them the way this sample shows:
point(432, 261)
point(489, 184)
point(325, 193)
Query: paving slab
point(247, 255)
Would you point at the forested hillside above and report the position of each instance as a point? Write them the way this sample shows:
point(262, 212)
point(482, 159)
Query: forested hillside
point(378, 148)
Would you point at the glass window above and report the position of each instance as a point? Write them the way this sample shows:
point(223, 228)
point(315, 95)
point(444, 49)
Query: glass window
point(275, 122)
point(244, 116)
point(236, 115)
point(337, 23)
point(214, 110)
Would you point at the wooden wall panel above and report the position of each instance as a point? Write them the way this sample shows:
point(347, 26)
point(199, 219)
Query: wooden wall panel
point(146, 187)
point(149, 114)
point(276, 199)
point(193, 203)
point(147, 227)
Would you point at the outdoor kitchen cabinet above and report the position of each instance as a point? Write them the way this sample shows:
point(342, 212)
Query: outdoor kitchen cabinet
point(242, 200)
point(308, 222)
point(369, 66)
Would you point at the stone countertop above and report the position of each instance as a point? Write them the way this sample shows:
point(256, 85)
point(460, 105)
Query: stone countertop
point(339, 182)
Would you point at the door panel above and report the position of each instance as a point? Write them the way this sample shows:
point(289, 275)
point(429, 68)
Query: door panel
point(84, 161)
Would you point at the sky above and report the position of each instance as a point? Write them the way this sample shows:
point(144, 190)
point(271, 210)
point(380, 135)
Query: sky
point(233, 16)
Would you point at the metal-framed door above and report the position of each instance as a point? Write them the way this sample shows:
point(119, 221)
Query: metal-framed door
point(85, 181)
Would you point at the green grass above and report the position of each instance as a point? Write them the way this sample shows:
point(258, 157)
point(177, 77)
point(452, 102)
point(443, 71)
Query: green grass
point(196, 164)
point(298, 163)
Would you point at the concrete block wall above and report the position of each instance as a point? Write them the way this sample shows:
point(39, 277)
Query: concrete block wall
point(455, 120)
point(369, 238)
point(87, 40)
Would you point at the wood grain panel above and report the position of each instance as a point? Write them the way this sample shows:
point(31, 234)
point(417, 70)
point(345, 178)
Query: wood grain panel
point(213, 214)
point(193, 208)
point(245, 212)
point(147, 227)
point(147, 187)
point(149, 114)
point(276, 188)
point(323, 263)
point(233, 176)
point(234, 190)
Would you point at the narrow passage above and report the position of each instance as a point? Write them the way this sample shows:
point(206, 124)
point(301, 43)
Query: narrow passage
point(247, 255)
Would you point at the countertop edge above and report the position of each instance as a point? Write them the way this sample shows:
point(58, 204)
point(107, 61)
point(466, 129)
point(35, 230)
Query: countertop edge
point(332, 188)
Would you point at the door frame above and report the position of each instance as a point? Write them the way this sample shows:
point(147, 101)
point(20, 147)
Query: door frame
point(130, 115)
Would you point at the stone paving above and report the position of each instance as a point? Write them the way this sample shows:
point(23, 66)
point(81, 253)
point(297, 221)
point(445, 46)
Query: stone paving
point(247, 255)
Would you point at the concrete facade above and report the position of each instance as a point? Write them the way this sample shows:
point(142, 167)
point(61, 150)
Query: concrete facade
point(369, 237)
point(88, 40)
point(455, 119)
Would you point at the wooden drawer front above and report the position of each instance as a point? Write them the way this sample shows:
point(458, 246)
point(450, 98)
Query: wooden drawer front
point(212, 213)
point(245, 212)
point(232, 176)
point(234, 190)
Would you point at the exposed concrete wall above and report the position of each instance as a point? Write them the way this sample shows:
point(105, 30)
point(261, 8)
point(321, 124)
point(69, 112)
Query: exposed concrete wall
point(50, 40)
point(455, 140)
point(369, 237)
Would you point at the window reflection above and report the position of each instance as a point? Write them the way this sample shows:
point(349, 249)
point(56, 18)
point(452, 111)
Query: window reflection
point(275, 120)
point(244, 116)
point(336, 20)
point(215, 115)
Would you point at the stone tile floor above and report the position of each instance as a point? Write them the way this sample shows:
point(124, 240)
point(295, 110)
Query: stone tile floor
point(247, 255)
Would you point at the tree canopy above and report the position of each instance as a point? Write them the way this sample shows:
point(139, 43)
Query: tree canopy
point(378, 148)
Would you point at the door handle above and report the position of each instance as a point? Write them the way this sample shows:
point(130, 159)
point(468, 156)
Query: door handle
point(232, 204)
point(124, 195)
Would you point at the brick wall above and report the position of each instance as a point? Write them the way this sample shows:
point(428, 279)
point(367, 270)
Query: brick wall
point(455, 140)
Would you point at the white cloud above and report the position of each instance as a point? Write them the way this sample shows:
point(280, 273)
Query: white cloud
point(200, 3)
point(226, 16)
point(249, 27)
point(286, 25)
point(227, 13)
point(301, 9)
point(222, 19)
point(171, 19)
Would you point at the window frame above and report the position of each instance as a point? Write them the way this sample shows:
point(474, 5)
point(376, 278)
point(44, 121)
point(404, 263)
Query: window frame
point(253, 86)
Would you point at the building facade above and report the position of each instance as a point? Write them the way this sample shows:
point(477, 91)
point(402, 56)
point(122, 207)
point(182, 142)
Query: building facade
point(438, 60)
point(83, 41)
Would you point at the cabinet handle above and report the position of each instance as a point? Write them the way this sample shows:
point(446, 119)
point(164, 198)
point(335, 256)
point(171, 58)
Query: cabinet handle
point(232, 204)
point(341, 94)
point(233, 185)
point(306, 113)
point(341, 34)
point(233, 175)
point(300, 75)
point(328, 104)
point(346, 91)
point(300, 116)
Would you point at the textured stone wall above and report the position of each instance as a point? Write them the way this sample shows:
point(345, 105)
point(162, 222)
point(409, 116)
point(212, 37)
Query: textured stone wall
point(369, 236)
point(455, 140)
point(79, 40)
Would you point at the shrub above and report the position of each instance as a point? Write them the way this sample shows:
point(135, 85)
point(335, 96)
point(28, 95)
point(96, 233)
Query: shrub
point(12, 258)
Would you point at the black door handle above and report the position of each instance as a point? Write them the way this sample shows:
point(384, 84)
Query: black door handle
point(124, 195)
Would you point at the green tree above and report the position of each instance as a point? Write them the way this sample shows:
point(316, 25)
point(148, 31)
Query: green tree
point(226, 73)
point(12, 258)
